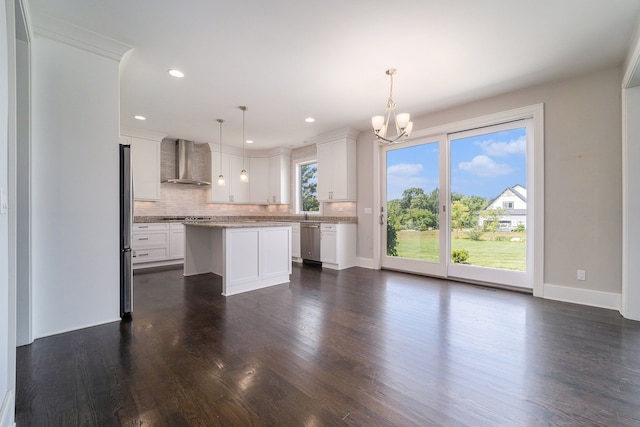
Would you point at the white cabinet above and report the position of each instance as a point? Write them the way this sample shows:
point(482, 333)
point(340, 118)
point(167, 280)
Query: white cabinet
point(295, 240)
point(337, 170)
point(233, 191)
point(328, 250)
point(176, 240)
point(268, 178)
point(238, 190)
point(279, 179)
point(338, 245)
point(145, 161)
point(219, 193)
point(155, 244)
point(259, 180)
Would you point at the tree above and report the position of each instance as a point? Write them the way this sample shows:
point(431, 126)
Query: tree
point(392, 240)
point(459, 215)
point(492, 220)
point(408, 195)
point(309, 187)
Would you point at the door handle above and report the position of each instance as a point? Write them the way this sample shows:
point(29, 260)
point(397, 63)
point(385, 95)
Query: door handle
point(381, 219)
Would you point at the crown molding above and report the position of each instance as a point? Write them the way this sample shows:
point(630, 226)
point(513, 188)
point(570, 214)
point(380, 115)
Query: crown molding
point(141, 133)
point(335, 135)
point(79, 37)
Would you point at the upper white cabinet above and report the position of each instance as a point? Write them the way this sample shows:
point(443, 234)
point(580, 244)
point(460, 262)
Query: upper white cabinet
point(279, 178)
point(337, 170)
point(219, 193)
point(259, 180)
point(238, 190)
point(145, 163)
point(268, 178)
point(233, 190)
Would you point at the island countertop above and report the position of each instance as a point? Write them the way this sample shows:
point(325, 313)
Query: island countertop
point(236, 224)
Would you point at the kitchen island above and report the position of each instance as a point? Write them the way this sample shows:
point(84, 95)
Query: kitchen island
point(247, 255)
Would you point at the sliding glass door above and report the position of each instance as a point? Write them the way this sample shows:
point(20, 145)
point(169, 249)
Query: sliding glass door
point(489, 205)
point(456, 205)
point(412, 219)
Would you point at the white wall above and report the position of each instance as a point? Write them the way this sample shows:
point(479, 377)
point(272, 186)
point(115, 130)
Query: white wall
point(631, 308)
point(7, 282)
point(75, 130)
point(583, 196)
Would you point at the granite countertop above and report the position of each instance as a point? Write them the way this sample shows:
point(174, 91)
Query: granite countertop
point(238, 224)
point(243, 219)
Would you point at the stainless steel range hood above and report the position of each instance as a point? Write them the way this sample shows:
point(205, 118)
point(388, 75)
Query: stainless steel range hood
point(184, 164)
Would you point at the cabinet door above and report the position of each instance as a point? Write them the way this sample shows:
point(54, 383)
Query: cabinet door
point(340, 172)
point(238, 190)
point(219, 193)
point(279, 173)
point(295, 240)
point(325, 171)
point(145, 160)
point(176, 242)
point(259, 180)
point(328, 251)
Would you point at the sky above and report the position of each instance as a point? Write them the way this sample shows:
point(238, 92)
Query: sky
point(482, 165)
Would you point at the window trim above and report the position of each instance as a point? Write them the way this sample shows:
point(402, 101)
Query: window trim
point(298, 193)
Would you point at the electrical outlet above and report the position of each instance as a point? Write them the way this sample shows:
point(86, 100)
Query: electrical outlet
point(582, 275)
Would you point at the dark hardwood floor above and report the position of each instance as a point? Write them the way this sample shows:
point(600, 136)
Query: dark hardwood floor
point(356, 347)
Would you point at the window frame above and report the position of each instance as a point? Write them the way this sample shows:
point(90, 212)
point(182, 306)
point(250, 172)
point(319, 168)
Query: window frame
point(298, 182)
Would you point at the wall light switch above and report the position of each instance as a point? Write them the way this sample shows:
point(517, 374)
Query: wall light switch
point(582, 275)
point(4, 201)
point(368, 211)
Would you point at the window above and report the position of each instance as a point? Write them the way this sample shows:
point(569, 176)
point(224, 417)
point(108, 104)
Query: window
point(507, 205)
point(308, 187)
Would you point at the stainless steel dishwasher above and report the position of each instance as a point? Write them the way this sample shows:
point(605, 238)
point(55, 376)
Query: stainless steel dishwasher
point(310, 241)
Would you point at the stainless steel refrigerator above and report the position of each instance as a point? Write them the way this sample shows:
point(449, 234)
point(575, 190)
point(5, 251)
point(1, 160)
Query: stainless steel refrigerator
point(126, 219)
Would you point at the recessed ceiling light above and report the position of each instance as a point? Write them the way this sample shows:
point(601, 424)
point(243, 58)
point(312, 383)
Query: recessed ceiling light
point(249, 141)
point(309, 120)
point(140, 117)
point(176, 73)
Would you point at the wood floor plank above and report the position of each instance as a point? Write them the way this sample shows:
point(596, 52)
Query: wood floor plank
point(355, 348)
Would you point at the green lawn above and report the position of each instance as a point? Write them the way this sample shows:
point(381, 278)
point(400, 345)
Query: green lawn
point(486, 252)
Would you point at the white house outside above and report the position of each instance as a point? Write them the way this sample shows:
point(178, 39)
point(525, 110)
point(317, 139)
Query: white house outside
point(512, 203)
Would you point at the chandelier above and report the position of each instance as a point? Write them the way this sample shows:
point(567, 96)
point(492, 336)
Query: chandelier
point(403, 125)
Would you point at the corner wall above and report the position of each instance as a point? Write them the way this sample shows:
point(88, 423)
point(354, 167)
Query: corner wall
point(75, 131)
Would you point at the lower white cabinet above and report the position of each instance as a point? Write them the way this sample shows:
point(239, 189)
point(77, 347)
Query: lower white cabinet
point(176, 240)
point(338, 245)
point(295, 241)
point(156, 243)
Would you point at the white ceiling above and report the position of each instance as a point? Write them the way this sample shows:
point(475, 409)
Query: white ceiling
point(290, 59)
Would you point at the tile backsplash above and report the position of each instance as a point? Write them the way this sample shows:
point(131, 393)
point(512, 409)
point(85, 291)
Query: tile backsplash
point(192, 200)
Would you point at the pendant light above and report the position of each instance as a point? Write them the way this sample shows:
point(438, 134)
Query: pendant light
point(244, 177)
point(221, 177)
point(403, 125)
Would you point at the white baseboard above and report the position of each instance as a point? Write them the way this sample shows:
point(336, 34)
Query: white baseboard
point(589, 297)
point(7, 410)
point(364, 262)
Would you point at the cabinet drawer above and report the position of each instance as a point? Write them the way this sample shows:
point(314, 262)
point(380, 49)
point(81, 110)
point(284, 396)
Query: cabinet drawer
point(150, 254)
point(141, 240)
point(149, 226)
point(328, 228)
